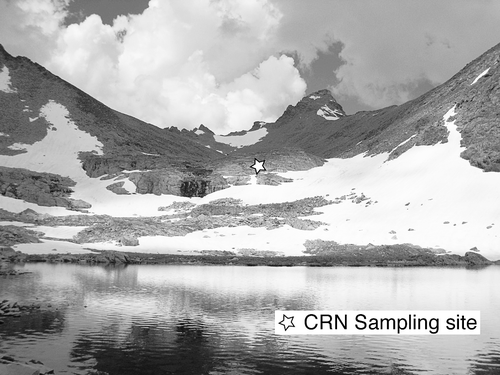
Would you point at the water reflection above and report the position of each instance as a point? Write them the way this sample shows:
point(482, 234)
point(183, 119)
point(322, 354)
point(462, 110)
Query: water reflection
point(219, 320)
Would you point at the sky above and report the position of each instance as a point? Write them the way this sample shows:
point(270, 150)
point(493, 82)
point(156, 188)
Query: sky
point(228, 63)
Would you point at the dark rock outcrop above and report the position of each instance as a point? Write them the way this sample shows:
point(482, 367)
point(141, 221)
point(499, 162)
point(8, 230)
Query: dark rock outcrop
point(44, 189)
point(12, 235)
point(117, 188)
point(186, 184)
point(391, 255)
point(129, 241)
point(475, 259)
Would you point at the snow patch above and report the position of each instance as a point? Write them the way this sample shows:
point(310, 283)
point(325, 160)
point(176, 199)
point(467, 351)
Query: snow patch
point(59, 232)
point(145, 153)
point(4, 135)
point(328, 113)
point(58, 151)
point(314, 97)
point(52, 247)
point(15, 223)
point(129, 186)
point(33, 119)
point(402, 143)
point(247, 139)
point(17, 147)
point(480, 76)
point(5, 84)
point(199, 132)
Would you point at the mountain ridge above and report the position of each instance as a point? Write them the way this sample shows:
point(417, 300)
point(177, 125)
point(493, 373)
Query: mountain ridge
point(407, 174)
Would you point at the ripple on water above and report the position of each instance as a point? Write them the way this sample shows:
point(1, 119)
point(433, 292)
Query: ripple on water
point(213, 320)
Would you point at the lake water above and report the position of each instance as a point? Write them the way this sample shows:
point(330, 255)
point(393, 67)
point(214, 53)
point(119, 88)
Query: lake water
point(220, 320)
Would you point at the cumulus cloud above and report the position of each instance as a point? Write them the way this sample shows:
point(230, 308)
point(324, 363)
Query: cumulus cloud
point(223, 62)
point(178, 63)
point(31, 27)
point(391, 47)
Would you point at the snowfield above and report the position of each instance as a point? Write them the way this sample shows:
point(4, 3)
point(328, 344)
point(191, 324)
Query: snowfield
point(428, 196)
point(247, 139)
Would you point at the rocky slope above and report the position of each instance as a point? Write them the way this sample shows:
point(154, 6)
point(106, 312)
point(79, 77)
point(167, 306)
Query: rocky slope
point(384, 130)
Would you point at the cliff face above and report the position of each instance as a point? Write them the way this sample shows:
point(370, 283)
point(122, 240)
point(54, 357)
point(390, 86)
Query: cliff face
point(186, 184)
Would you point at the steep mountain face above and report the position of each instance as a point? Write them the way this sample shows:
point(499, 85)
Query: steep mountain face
point(408, 174)
point(375, 132)
point(30, 97)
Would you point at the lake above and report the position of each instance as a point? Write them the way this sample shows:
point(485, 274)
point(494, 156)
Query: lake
point(165, 319)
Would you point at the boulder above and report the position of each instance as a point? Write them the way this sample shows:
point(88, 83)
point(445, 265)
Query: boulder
point(475, 259)
point(129, 241)
point(118, 188)
point(78, 204)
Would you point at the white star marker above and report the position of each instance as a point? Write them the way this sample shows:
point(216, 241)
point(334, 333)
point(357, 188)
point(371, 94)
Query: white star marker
point(287, 322)
point(258, 166)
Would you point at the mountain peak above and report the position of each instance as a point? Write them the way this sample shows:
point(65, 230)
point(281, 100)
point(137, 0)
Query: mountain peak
point(320, 103)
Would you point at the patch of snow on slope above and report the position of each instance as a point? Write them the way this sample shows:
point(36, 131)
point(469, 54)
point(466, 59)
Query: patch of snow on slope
point(401, 144)
point(5, 84)
point(58, 151)
point(314, 97)
point(59, 232)
point(145, 153)
point(480, 76)
point(328, 113)
point(17, 146)
point(129, 186)
point(199, 131)
point(247, 139)
point(4, 135)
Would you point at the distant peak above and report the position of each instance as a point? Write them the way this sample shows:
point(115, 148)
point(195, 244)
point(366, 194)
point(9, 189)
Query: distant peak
point(205, 129)
point(321, 94)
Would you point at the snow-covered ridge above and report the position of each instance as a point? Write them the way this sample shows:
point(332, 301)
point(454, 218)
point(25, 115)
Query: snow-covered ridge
point(247, 139)
point(328, 113)
point(480, 76)
point(5, 84)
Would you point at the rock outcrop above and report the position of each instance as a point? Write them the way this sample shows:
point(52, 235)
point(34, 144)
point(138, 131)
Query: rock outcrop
point(44, 189)
point(10, 366)
point(12, 235)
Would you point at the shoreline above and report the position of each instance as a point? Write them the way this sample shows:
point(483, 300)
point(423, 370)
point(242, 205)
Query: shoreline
point(386, 257)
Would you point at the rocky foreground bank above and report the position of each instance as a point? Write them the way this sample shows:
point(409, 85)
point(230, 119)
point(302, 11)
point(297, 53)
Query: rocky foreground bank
point(11, 366)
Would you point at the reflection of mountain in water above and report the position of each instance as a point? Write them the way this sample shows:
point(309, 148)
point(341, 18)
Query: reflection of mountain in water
point(209, 320)
point(189, 346)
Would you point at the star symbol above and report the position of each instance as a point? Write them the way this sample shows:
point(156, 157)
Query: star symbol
point(258, 166)
point(287, 322)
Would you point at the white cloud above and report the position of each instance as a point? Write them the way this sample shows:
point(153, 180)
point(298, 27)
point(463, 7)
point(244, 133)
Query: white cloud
point(178, 63)
point(31, 27)
point(220, 62)
point(391, 46)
